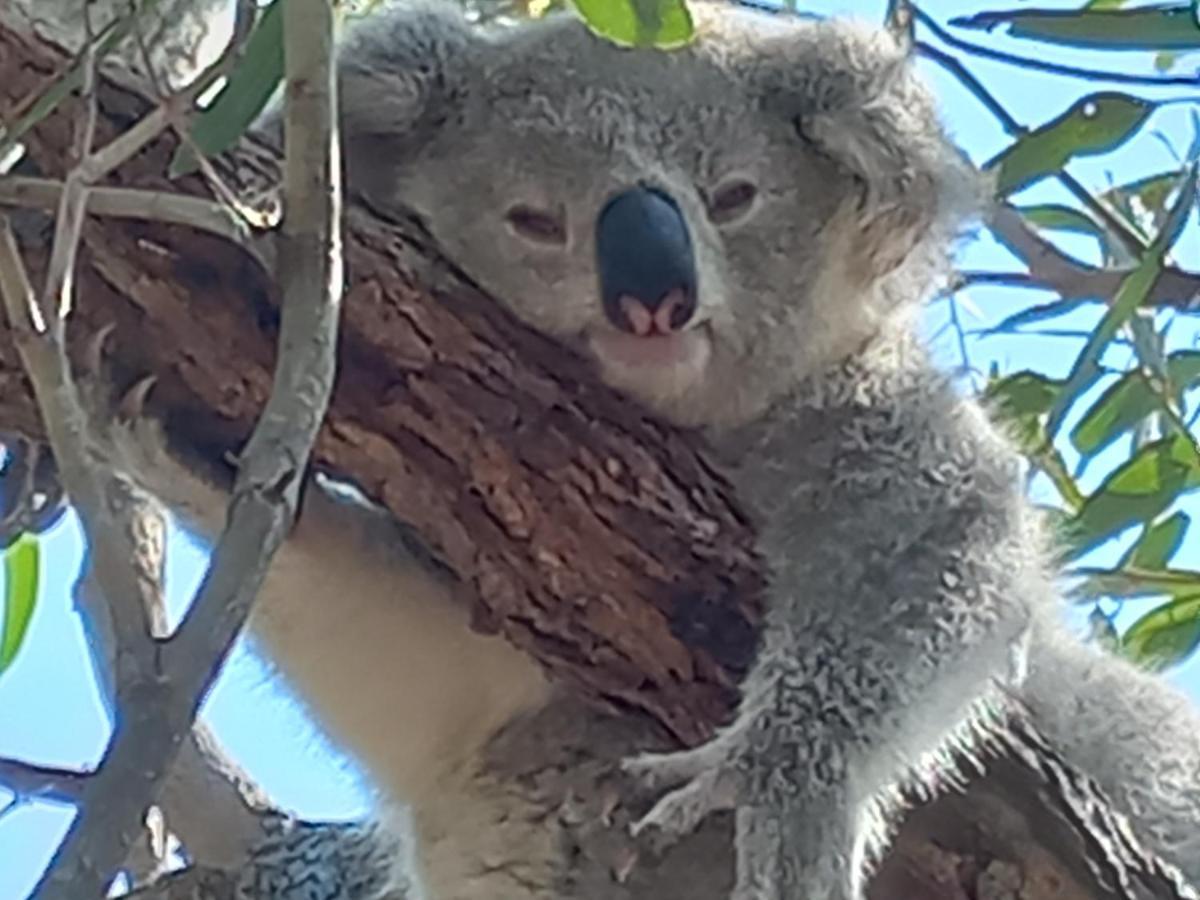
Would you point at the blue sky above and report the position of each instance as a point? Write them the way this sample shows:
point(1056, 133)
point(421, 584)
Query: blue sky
point(50, 711)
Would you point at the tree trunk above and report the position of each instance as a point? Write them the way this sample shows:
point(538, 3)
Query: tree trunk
point(601, 543)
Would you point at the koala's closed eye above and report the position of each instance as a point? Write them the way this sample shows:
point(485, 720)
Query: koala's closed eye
point(538, 225)
point(731, 201)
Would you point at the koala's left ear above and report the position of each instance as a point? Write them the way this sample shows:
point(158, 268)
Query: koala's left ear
point(402, 75)
point(851, 94)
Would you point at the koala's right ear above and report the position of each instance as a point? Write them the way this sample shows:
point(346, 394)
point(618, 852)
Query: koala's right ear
point(402, 74)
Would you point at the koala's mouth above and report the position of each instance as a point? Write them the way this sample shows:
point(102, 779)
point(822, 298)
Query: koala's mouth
point(682, 353)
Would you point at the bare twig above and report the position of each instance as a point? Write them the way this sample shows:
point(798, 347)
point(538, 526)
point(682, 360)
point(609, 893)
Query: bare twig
point(1053, 269)
point(132, 203)
point(159, 687)
point(30, 780)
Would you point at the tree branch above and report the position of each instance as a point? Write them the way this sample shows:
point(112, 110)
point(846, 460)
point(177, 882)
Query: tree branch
point(159, 687)
point(1055, 270)
point(30, 780)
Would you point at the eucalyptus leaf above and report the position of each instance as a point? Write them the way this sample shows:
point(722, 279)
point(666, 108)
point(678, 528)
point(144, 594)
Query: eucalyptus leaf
point(1094, 124)
point(1169, 26)
point(1158, 543)
point(1139, 490)
point(245, 95)
point(1165, 636)
point(664, 24)
point(1129, 400)
point(22, 573)
point(1134, 289)
point(1032, 314)
point(1060, 217)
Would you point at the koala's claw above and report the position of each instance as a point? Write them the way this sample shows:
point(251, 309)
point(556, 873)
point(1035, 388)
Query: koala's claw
point(705, 781)
point(133, 402)
point(657, 771)
point(678, 813)
point(92, 359)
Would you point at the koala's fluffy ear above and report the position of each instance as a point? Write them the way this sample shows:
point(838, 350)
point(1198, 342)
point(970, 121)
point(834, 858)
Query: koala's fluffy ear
point(402, 75)
point(850, 93)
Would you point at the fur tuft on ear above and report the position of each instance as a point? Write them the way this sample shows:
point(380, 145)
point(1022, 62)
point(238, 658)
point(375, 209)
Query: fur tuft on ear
point(852, 95)
point(403, 74)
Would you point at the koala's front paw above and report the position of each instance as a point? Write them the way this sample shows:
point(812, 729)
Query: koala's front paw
point(115, 416)
point(708, 780)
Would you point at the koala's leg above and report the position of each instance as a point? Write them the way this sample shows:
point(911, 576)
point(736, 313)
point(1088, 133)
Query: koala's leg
point(866, 674)
point(379, 649)
point(1130, 731)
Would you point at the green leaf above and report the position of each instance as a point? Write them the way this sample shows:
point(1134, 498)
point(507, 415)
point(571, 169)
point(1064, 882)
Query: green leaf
point(1026, 393)
point(1131, 583)
point(1133, 291)
point(244, 96)
point(1129, 400)
point(1061, 218)
point(1163, 27)
point(1139, 490)
point(1094, 124)
point(1021, 401)
point(1158, 544)
point(1165, 636)
point(1032, 314)
point(1145, 196)
point(664, 24)
point(22, 569)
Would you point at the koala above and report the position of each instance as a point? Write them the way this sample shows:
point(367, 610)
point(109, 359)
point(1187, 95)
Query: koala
point(738, 234)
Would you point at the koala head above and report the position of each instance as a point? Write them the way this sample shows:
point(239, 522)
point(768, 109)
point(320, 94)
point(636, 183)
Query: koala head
point(711, 225)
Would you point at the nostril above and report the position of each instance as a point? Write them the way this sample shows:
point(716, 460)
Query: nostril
point(671, 312)
point(674, 311)
point(637, 317)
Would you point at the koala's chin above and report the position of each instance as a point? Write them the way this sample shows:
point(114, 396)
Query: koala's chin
point(659, 370)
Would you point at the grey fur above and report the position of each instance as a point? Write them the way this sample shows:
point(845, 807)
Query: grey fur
point(909, 573)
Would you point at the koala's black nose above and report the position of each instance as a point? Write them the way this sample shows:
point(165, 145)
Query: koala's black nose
point(645, 261)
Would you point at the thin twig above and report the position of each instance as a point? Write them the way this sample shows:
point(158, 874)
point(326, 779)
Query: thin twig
point(158, 711)
point(1113, 224)
point(132, 203)
point(45, 782)
point(1051, 268)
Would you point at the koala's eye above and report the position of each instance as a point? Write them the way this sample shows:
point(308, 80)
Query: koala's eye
point(731, 201)
point(537, 225)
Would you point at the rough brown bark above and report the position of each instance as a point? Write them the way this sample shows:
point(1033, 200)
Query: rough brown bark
point(603, 544)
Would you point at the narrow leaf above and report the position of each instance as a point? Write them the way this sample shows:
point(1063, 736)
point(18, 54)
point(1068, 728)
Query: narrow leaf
point(1165, 636)
point(1094, 124)
point(1032, 314)
point(664, 24)
point(1023, 394)
point(1129, 400)
point(1134, 289)
point(22, 570)
point(1139, 490)
point(1170, 26)
point(244, 96)
point(1062, 218)
point(1157, 544)
point(1132, 583)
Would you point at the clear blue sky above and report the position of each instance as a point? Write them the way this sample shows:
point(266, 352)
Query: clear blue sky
point(49, 709)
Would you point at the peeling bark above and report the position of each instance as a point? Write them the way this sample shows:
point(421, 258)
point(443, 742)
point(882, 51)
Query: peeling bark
point(603, 544)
